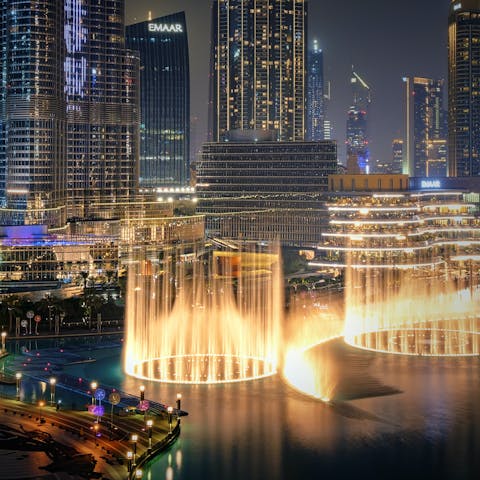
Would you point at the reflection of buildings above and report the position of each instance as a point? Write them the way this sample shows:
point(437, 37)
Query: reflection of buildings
point(69, 109)
point(464, 88)
point(425, 125)
point(315, 111)
point(165, 99)
point(257, 67)
point(357, 132)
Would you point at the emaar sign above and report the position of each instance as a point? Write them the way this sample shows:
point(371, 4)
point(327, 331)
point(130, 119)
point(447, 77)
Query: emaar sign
point(430, 184)
point(165, 27)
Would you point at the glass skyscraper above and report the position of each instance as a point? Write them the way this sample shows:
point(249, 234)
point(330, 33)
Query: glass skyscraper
point(315, 95)
point(257, 67)
point(165, 99)
point(464, 88)
point(357, 125)
point(425, 122)
point(68, 108)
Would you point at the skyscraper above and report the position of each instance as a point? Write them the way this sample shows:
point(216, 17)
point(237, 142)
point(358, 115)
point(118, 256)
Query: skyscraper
point(165, 99)
point(424, 122)
point(32, 109)
point(397, 155)
point(464, 88)
point(357, 132)
point(315, 117)
point(257, 67)
point(68, 108)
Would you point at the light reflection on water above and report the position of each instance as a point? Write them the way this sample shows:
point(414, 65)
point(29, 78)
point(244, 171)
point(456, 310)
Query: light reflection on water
point(265, 430)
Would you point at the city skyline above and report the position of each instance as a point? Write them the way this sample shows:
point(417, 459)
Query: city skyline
point(373, 37)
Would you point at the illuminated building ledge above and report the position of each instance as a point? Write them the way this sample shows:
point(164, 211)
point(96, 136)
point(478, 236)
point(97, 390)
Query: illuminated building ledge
point(368, 266)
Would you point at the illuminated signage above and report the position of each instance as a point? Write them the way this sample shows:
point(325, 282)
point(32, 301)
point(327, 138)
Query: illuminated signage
point(430, 184)
point(165, 27)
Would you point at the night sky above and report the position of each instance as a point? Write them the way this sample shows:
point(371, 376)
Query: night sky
point(385, 40)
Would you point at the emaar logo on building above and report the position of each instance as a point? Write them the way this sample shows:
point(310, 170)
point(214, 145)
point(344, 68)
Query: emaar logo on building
point(165, 27)
point(430, 184)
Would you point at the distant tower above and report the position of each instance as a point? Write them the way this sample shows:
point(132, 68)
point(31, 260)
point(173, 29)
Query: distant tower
point(315, 95)
point(165, 99)
point(397, 156)
point(424, 122)
point(464, 88)
point(357, 132)
point(257, 78)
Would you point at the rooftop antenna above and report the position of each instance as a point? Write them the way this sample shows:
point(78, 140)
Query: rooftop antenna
point(149, 15)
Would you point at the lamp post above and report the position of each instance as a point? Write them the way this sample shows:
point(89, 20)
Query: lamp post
point(170, 411)
point(179, 401)
point(149, 426)
point(142, 393)
point(134, 440)
point(4, 335)
point(129, 460)
point(53, 381)
point(30, 315)
point(18, 377)
point(93, 386)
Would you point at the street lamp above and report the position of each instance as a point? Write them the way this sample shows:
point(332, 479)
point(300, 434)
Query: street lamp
point(93, 386)
point(179, 401)
point(129, 460)
point(53, 381)
point(142, 393)
point(134, 440)
point(170, 411)
point(18, 377)
point(149, 426)
point(138, 473)
point(4, 335)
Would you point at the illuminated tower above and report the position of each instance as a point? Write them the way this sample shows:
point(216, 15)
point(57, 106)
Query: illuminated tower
point(32, 111)
point(257, 67)
point(357, 133)
point(68, 109)
point(397, 156)
point(165, 99)
point(424, 122)
point(102, 95)
point(315, 96)
point(464, 88)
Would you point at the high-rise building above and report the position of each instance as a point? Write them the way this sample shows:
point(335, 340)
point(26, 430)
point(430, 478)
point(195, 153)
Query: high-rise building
point(165, 99)
point(397, 156)
point(425, 121)
point(357, 133)
point(315, 117)
point(68, 108)
point(464, 88)
point(32, 110)
point(257, 67)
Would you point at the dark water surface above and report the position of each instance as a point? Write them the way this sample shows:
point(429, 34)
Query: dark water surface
point(265, 430)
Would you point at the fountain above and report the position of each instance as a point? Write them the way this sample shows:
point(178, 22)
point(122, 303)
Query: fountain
point(203, 318)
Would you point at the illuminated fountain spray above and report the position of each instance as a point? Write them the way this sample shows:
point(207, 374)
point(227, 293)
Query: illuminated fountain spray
point(203, 318)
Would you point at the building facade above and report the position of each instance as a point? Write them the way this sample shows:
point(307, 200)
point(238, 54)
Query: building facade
point(69, 109)
point(315, 113)
point(397, 155)
point(257, 67)
point(165, 99)
point(425, 124)
point(357, 132)
point(464, 88)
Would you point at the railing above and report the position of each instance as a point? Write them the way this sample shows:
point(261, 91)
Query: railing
point(162, 445)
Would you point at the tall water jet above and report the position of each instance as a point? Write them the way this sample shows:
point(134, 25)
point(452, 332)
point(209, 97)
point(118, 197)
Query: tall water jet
point(203, 317)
